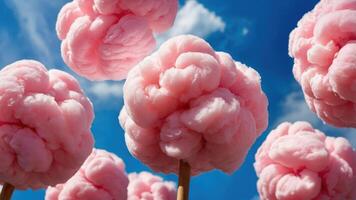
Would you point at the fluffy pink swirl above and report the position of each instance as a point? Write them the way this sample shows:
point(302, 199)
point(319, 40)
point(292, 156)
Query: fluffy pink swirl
point(45, 121)
point(104, 39)
point(323, 47)
point(188, 102)
point(145, 186)
point(102, 176)
point(299, 162)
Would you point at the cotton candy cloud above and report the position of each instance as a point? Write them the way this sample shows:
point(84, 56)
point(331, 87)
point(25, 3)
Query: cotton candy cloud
point(102, 176)
point(323, 47)
point(188, 102)
point(103, 40)
point(45, 125)
point(299, 162)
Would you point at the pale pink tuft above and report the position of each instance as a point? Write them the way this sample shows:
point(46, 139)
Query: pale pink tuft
point(45, 121)
point(104, 39)
point(323, 47)
point(299, 162)
point(188, 102)
point(102, 176)
point(145, 186)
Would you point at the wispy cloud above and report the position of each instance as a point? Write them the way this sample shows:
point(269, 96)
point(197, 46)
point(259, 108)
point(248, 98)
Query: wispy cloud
point(294, 108)
point(9, 52)
point(194, 18)
point(32, 20)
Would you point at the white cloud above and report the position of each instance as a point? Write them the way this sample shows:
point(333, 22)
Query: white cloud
point(194, 18)
point(105, 90)
point(34, 26)
point(245, 31)
point(294, 108)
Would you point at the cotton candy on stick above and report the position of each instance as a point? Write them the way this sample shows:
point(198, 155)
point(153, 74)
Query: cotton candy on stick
point(323, 47)
point(45, 125)
point(102, 176)
point(298, 162)
point(187, 103)
point(104, 39)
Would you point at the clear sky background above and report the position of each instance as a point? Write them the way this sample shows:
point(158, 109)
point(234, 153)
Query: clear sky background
point(254, 32)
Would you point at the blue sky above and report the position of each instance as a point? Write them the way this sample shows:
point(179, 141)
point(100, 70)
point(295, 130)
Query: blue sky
point(254, 32)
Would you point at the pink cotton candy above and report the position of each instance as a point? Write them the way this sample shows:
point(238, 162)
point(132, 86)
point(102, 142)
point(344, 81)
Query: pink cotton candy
point(323, 47)
point(45, 121)
point(188, 102)
point(299, 162)
point(102, 176)
point(104, 39)
point(145, 186)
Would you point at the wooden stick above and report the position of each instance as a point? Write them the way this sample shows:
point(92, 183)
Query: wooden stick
point(6, 192)
point(184, 180)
